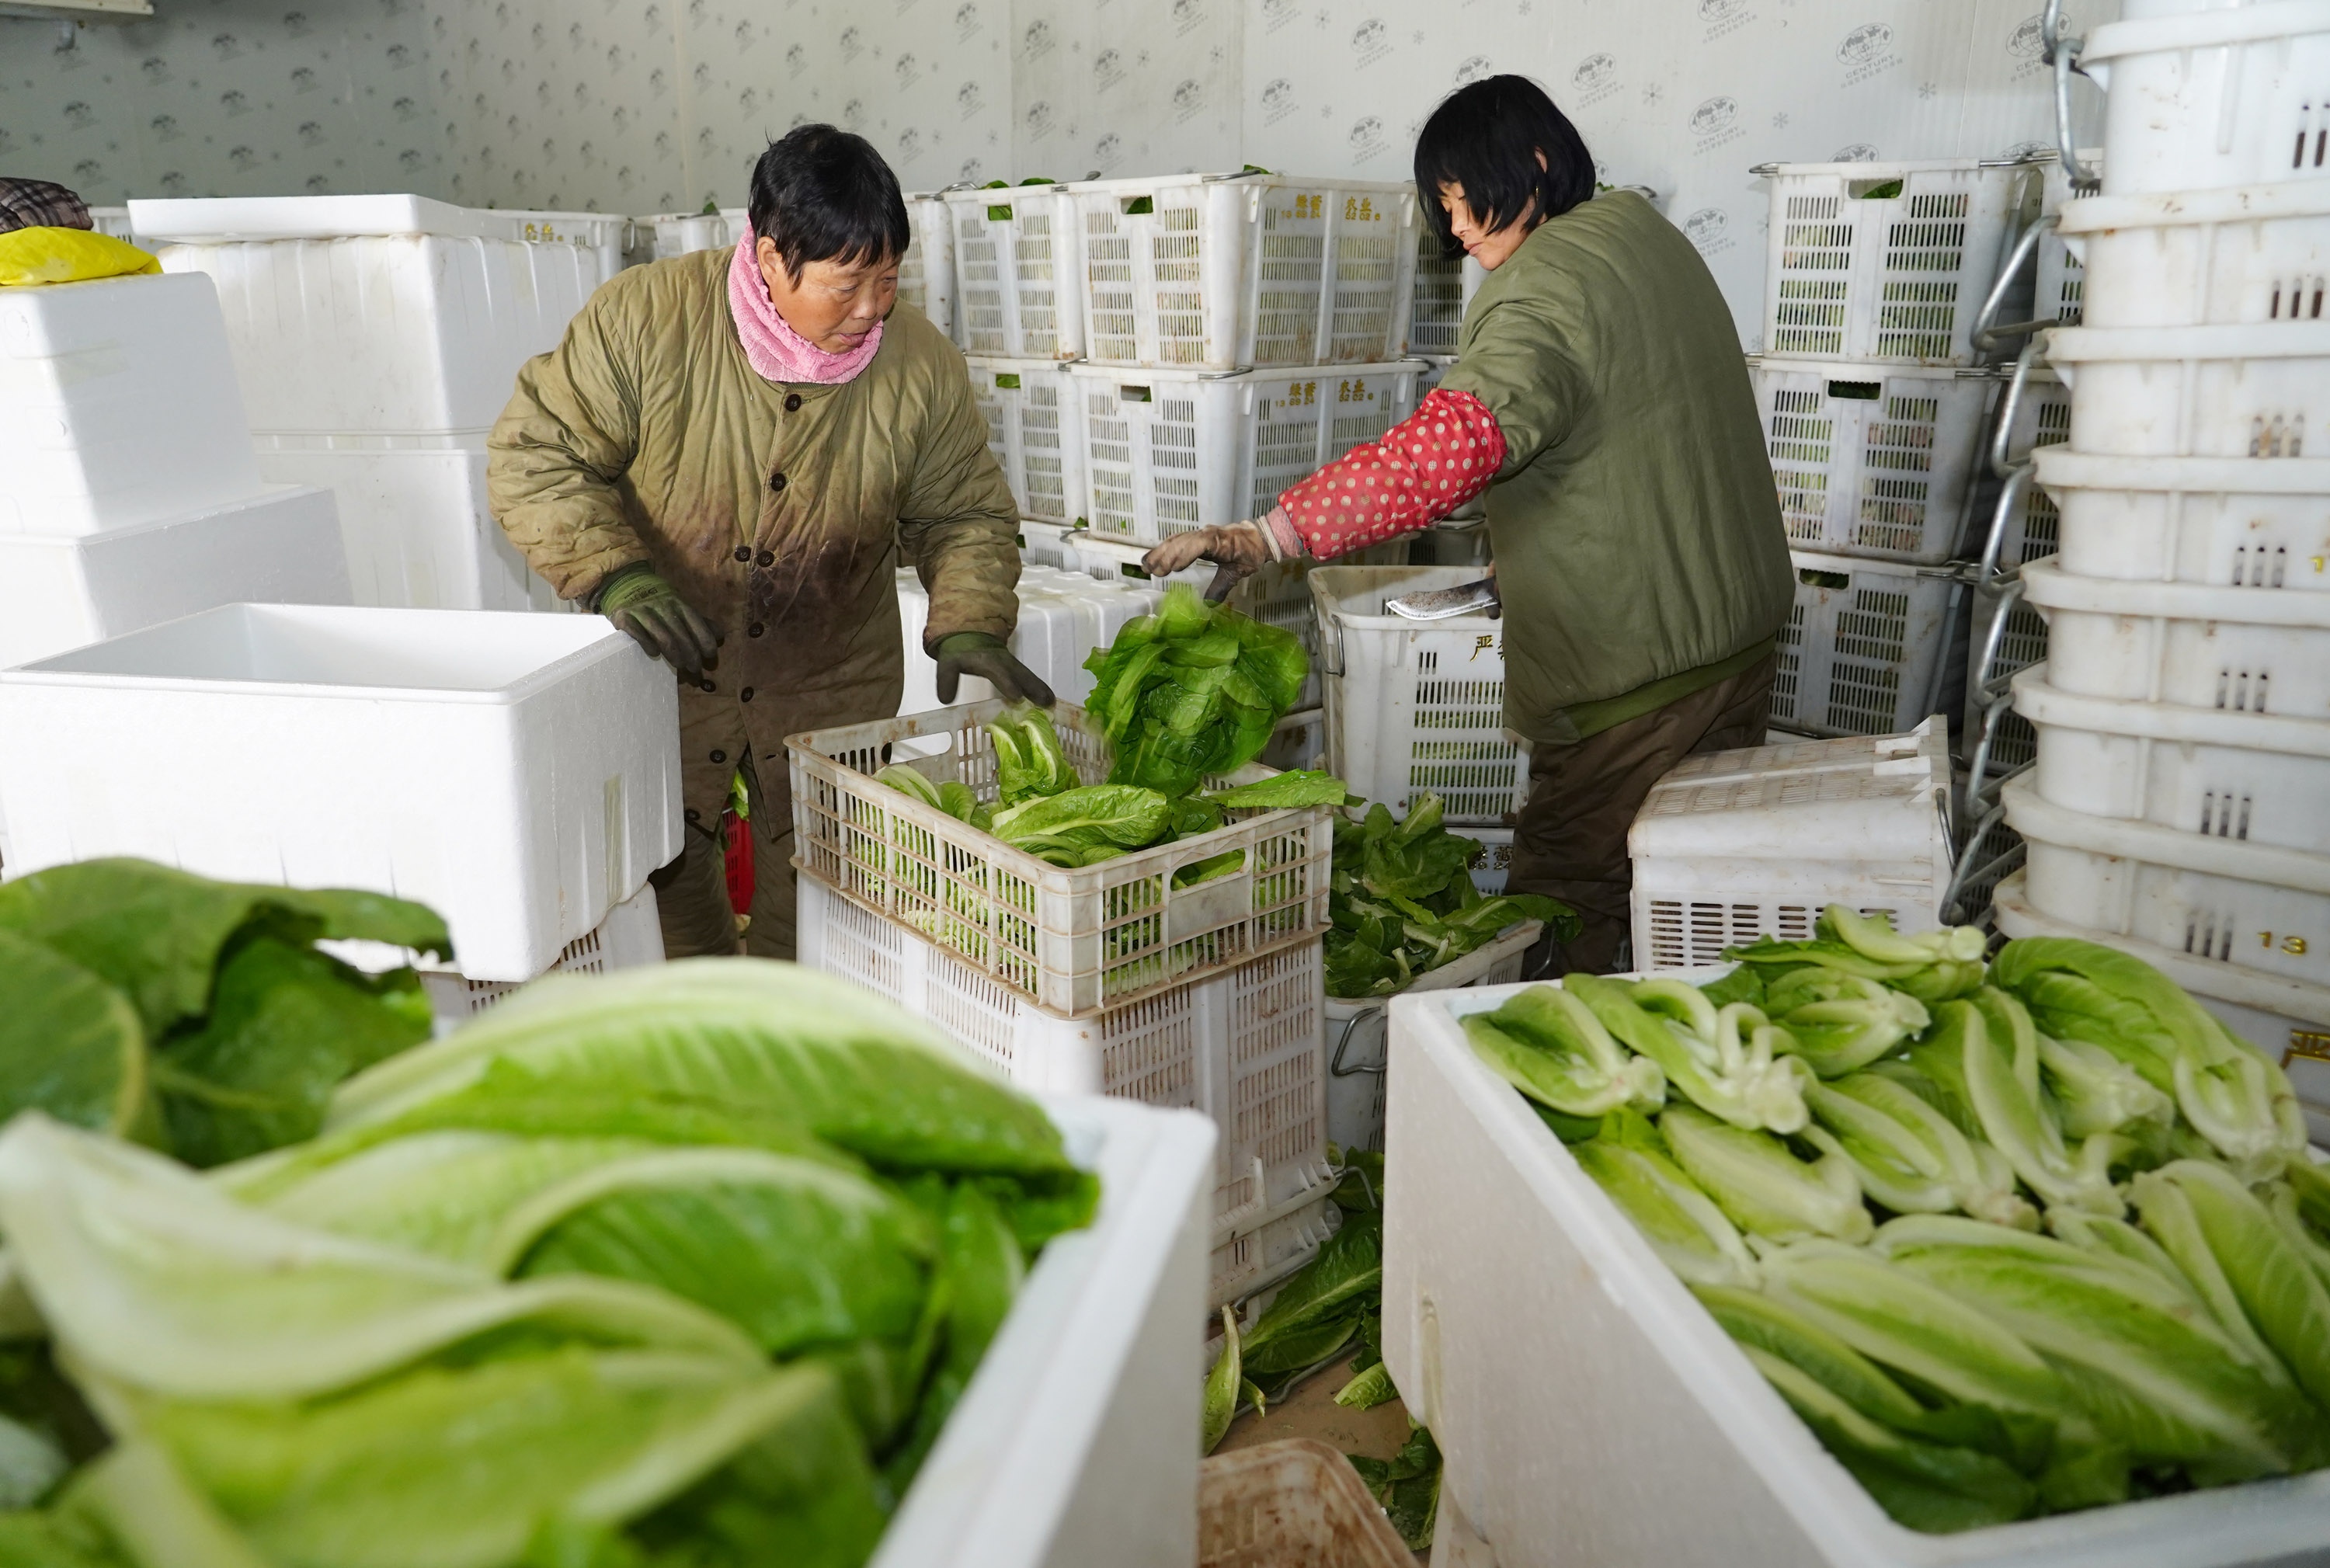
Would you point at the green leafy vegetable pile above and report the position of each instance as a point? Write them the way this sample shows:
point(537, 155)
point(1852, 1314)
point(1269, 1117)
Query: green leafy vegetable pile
point(191, 1016)
point(1193, 690)
point(1404, 902)
point(684, 1267)
point(2013, 1238)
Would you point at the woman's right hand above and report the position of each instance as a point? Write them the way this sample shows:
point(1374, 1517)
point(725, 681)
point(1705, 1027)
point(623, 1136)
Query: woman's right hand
point(1237, 551)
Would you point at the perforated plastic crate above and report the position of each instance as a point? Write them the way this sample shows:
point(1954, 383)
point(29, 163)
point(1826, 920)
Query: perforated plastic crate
point(1300, 741)
point(2058, 285)
point(1223, 271)
point(1018, 272)
point(681, 233)
point(1062, 616)
point(628, 937)
point(926, 271)
point(1863, 645)
point(2250, 391)
point(1443, 289)
point(1415, 705)
point(1357, 1061)
point(1493, 866)
point(1072, 941)
point(2244, 650)
point(1044, 543)
point(1886, 261)
point(2041, 417)
point(2021, 643)
point(1170, 449)
point(2203, 258)
point(2230, 96)
point(1873, 461)
point(2227, 521)
point(1034, 429)
point(1243, 1045)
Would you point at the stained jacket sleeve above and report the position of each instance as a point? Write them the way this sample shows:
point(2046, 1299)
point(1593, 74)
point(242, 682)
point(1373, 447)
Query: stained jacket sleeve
point(957, 521)
point(1518, 362)
point(555, 457)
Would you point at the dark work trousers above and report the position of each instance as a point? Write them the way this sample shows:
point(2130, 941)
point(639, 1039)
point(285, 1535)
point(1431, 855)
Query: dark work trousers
point(692, 892)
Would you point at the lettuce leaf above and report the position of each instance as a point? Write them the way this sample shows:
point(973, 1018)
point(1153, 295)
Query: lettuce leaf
point(70, 1044)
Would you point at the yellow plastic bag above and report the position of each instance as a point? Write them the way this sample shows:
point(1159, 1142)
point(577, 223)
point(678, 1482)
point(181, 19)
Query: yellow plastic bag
point(68, 256)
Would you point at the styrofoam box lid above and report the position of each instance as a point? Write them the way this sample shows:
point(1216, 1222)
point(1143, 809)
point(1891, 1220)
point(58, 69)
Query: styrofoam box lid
point(205, 219)
point(1856, 799)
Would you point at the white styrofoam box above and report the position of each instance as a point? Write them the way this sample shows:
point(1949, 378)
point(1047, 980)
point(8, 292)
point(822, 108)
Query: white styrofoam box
point(1357, 1050)
point(2196, 391)
point(1443, 289)
point(1415, 705)
point(1244, 1046)
point(1731, 846)
point(112, 220)
point(2203, 258)
point(2228, 521)
point(631, 935)
point(1076, 1440)
point(2213, 98)
point(1886, 261)
point(215, 220)
point(1063, 617)
point(1559, 1363)
point(1036, 429)
point(926, 271)
point(2041, 418)
point(517, 773)
point(279, 546)
point(2250, 777)
point(1175, 450)
point(1226, 271)
point(1018, 272)
point(1859, 653)
point(683, 234)
point(1298, 743)
point(118, 405)
point(413, 517)
point(2256, 906)
point(1873, 461)
point(2249, 650)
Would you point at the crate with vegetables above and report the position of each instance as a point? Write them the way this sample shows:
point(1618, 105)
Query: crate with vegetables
point(2013, 1237)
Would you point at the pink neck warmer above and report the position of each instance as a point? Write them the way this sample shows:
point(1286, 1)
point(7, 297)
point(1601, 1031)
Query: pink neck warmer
point(776, 352)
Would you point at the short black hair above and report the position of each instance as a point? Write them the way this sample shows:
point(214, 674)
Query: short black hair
point(1486, 137)
point(823, 194)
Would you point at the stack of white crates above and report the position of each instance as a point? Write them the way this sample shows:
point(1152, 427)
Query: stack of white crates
point(2180, 807)
point(128, 491)
point(378, 339)
point(1063, 615)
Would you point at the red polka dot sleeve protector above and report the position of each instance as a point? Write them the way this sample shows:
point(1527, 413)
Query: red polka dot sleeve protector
point(1424, 468)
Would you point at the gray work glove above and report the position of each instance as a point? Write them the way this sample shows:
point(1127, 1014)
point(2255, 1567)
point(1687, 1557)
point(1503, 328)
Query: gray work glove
point(975, 653)
point(1237, 551)
point(643, 604)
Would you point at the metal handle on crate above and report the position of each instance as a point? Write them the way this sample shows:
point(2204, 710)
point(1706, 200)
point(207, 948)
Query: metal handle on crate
point(1984, 683)
point(1987, 336)
point(2010, 497)
point(1335, 1067)
point(2063, 54)
point(1965, 873)
point(2002, 442)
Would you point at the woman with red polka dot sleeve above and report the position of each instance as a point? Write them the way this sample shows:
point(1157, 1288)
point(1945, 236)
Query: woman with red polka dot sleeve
point(1600, 404)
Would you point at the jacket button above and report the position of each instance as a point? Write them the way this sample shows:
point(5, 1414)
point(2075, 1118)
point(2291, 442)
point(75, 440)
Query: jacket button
point(755, 630)
point(706, 684)
point(694, 815)
point(746, 693)
point(744, 553)
point(776, 483)
point(720, 756)
point(767, 557)
point(792, 403)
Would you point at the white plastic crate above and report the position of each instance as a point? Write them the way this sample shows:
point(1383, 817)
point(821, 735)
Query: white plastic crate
point(280, 546)
point(1018, 272)
point(1861, 648)
point(1299, 742)
point(2216, 97)
point(1241, 1046)
point(1043, 543)
point(1036, 429)
point(2250, 777)
point(1172, 449)
point(2256, 906)
point(1452, 543)
point(1443, 292)
point(2203, 258)
point(1854, 272)
point(1356, 1056)
point(1073, 941)
point(112, 220)
point(2226, 520)
point(926, 271)
point(2058, 282)
point(1492, 866)
point(2041, 419)
point(1063, 617)
point(682, 233)
point(1225, 272)
point(414, 520)
point(1873, 461)
point(2022, 643)
point(385, 315)
point(2197, 392)
point(631, 935)
point(1415, 705)
point(1731, 846)
point(517, 773)
point(2247, 651)
point(118, 405)
point(1559, 1363)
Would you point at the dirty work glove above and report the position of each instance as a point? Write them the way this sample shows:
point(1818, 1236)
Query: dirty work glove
point(644, 604)
point(975, 653)
point(1237, 551)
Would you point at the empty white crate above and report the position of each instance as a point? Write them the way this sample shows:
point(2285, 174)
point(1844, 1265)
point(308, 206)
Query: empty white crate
point(1443, 292)
point(1173, 449)
point(2203, 258)
point(1859, 653)
point(1872, 459)
point(631, 935)
point(1036, 429)
point(1415, 707)
point(2256, 906)
point(2250, 650)
point(684, 233)
point(1063, 617)
point(414, 519)
point(1731, 846)
point(1241, 1046)
point(2197, 392)
point(2252, 778)
point(1886, 261)
point(279, 546)
point(1018, 274)
point(517, 773)
point(2216, 97)
point(1226, 271)
point(2228, 520)
point(118, 405)
point(1559, 1363)
point(926, 271)
point(387, 315)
